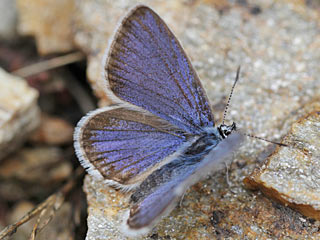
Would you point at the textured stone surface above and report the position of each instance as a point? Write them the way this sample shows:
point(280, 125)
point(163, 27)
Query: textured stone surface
point(278, 49)
point(49, 22)
point(105, 208)
point(19, 112)
point(292, 175)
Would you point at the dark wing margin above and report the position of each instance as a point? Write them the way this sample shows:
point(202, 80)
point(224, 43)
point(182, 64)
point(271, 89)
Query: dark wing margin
point(147, 67)
point(158, 194)
point(124, 145)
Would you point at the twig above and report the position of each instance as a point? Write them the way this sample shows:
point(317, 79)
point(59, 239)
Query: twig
point(82, 98)
point(55, 200)
point(49, 64)
point(52, 208)
point(35, 227)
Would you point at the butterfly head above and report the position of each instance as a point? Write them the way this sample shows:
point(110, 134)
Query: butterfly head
point(226, 130)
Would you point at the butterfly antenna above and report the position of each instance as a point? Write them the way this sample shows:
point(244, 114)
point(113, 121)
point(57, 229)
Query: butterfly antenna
point(230, 95)
point(266, 140)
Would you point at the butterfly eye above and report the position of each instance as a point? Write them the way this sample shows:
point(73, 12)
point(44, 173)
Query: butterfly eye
point(227, 132)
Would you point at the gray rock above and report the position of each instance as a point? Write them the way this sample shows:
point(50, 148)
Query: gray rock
point(291, 174)
point(19, 112)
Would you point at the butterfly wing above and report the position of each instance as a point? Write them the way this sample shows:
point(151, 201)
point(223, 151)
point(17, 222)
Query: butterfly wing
point(147, 67)
point(123, 145)
point(158, 193)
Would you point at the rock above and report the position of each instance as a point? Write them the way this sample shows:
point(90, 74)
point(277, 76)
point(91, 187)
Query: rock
point(8, 19)
point(108, 216)
point(19, 112)
point(278, 49)
point(49, 22)
point(53, 131)
point(291, 175)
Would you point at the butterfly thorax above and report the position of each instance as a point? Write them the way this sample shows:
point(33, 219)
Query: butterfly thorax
point(205, 141)
point(209, 139)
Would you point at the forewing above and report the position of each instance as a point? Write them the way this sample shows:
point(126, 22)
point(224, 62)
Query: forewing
point(123, 145)
point(147, 67)
point(158, 193)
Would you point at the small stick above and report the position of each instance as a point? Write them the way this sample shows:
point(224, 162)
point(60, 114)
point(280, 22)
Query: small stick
point(50, 201)
point(49, 64)
point(83, 99)
point(35, 227)
point(13, 227)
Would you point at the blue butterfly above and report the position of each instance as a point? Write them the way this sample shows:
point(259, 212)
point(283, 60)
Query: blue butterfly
point(160, 137)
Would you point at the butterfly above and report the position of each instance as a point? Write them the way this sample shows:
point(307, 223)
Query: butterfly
point(159, 137)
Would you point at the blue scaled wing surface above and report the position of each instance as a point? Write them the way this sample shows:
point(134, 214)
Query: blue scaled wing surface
point(146, 66)
point(123, 145)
